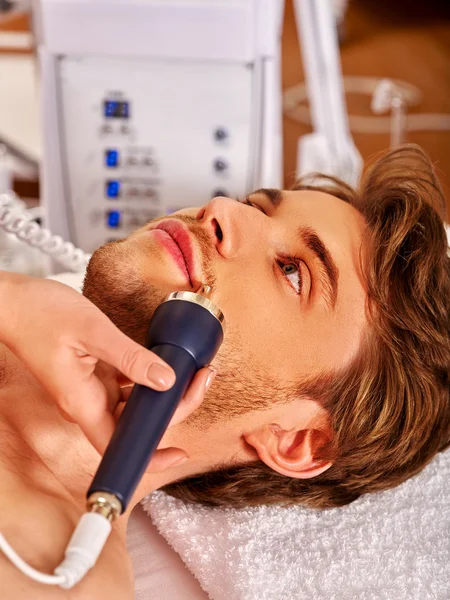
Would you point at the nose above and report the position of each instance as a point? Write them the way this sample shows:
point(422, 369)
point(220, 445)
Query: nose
point(230, 224)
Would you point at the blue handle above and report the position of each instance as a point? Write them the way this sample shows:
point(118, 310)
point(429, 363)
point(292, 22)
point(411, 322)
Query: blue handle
point(141, 426)
point(187, 337)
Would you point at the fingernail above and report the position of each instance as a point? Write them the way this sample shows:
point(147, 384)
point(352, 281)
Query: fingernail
point(210, 378)
point(161, 377)
point(180, 461)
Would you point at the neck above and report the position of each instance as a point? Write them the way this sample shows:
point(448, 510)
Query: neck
point(44, 449)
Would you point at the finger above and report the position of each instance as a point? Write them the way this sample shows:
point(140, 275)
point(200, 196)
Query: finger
point(166, 459)
point(195, 394)
point(80, 396)
point(65, 415)
point(134, 361)
point(125, 393)
point(192, 399)
point(123, 380)
point(108, 376)
point(89, 408)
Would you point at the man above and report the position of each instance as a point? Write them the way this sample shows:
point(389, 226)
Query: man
point(332, 380)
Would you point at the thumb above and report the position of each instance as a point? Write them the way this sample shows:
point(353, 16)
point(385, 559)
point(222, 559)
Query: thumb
point(140, 365)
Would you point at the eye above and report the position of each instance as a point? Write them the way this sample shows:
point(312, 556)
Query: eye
point(291, 270)
point(248, 202)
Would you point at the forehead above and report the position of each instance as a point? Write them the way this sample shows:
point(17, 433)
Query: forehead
point(322, 205)
point(340, 223)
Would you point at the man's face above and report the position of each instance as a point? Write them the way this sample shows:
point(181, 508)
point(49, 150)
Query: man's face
point(285, 272)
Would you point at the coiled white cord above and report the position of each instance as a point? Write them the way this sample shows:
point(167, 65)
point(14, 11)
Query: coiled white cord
point(20, 223)
point(81, 553)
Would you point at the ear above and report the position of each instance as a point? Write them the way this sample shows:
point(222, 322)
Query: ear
point(290, 453)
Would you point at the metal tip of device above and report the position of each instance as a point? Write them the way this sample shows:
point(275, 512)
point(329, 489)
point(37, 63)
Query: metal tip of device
point(201, 297)
point(105, 504)
point(204, 290)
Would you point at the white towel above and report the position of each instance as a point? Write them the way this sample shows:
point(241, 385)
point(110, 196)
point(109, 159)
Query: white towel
point(393, 545)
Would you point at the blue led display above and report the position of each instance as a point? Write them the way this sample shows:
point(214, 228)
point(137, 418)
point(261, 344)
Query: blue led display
point(113, 218)
point(116, 109)
point(124, 110)
point(110, 108)
point(112, 158)
point(112, 188)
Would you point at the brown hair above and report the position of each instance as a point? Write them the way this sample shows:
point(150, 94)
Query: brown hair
point(389, 409)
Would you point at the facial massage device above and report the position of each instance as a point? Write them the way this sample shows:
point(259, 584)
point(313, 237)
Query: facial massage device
point(186, 331)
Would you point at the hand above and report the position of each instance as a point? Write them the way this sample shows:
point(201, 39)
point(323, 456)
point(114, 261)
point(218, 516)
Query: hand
point(81, 358)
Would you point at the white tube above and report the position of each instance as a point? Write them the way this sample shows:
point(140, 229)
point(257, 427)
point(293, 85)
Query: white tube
point(81, 554)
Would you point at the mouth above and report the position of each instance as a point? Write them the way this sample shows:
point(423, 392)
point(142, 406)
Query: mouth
point(177, 242)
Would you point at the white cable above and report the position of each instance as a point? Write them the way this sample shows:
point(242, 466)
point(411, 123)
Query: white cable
point(20, 223)
point(26, 568)
point(81, 554)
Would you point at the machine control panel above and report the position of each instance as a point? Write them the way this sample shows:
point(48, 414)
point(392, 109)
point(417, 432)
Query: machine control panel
point(128, 164)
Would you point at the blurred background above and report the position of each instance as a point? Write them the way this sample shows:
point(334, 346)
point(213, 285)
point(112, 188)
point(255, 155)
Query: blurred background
point(401, 39)
point(404, 42)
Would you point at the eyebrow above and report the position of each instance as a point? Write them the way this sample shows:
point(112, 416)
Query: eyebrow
point(329, 273)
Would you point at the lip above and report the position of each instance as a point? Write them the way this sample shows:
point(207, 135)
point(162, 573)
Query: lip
point(183, 254)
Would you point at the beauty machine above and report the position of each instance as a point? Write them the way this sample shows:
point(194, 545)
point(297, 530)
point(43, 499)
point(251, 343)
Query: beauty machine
point(151, 106)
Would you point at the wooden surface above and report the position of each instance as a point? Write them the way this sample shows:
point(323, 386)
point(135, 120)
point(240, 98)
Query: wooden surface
point(397, 39)
point(404, 39)
point(15, 22)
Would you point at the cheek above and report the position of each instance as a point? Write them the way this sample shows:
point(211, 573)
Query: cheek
point(267, 338)
point(328, 342)
point(259, 332)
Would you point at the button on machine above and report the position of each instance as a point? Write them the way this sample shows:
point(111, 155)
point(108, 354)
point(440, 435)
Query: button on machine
point(112, 188)
point(220, 134)
point(113, 219)
point(111, 158)
point(220, 165)
point(219, 192)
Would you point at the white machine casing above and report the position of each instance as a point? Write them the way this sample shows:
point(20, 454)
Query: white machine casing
point(152, 106)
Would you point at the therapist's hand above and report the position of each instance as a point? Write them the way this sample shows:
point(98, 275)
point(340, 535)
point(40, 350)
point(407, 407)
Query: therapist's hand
point(81, 358)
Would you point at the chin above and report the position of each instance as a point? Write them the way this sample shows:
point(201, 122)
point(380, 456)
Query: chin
point(115, 286)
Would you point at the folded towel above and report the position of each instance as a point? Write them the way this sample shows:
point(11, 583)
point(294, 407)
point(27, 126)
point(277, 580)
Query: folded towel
point(393, 545)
